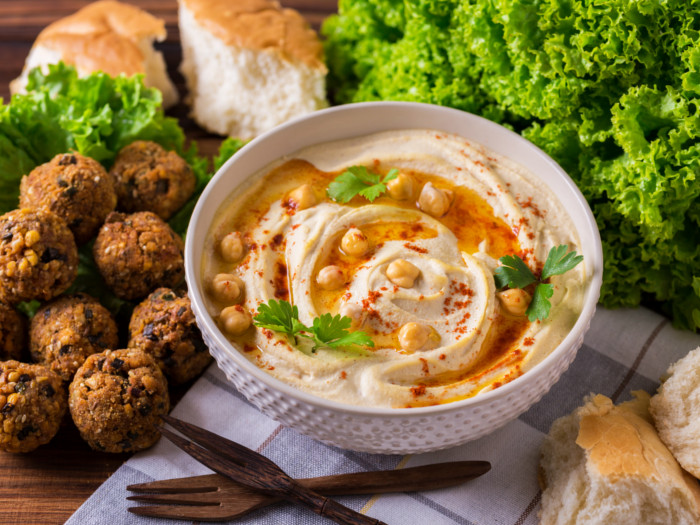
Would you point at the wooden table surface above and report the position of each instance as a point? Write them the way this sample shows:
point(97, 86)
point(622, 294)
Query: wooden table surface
point(49, 484)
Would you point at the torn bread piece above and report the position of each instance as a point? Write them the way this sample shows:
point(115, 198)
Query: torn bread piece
point(605, 464)
point(249, 65)
point(676, 411)
point(104, 36)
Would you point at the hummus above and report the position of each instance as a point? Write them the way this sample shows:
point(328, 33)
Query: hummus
point(471, 342)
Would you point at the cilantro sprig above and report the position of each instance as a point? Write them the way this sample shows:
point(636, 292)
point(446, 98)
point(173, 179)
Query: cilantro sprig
point(326, 331)
point(514, 273)
point(358, 180)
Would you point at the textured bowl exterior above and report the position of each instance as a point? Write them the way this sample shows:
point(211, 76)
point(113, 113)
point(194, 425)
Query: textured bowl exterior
point(411, 432)
point(379, 430)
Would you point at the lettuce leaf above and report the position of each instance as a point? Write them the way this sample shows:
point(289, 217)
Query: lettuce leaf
point(610, 89)
point(228, 147)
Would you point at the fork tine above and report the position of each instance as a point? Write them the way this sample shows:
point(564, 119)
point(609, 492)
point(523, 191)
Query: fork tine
point(232, 450)
point(186, 512)
point(198, 498)
point(205, 483)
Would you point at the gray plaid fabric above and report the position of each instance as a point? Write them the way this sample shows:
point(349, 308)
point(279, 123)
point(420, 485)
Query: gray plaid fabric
point(624, 350)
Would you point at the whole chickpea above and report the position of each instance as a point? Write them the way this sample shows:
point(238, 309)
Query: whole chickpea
point(228, 288)
point(232, 247)
point(354, 243)
point(417, 336)
point(354, 312)
point(402, 273)
point(402, 187)
point(434, 201)
point(303, 197)
point(515, 301)
point(235, 319)
point(330, 277)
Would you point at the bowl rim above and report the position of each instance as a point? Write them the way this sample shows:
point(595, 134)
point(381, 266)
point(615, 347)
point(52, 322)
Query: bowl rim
point(591, 295)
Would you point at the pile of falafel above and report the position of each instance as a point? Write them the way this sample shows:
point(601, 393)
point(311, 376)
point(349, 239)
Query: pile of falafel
point(69, 356)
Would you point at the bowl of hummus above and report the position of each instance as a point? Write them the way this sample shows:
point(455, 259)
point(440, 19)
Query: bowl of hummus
point(393, 277)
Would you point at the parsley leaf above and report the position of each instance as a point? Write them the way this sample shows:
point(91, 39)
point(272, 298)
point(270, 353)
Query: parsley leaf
point(358, 180)
point(345, 187)
point(514, 273)
point(540, 305)
point(333, 332)
point(558, 261)
point(326, 331)
point(279, 316)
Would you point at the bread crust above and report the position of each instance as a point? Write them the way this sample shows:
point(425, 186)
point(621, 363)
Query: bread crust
point(260, 25)
point(606, 464)
point(622, 441)
point(103, 36)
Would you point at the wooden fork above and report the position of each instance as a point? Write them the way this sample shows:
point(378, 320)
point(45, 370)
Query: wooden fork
point(214, 497)
point(255, 470)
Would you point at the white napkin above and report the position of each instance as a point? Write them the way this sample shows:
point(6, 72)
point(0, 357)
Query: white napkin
point(624, 350)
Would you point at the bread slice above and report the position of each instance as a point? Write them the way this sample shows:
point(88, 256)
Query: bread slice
point(104, 36)
point(249, 65)
point(605, 464)
point(676, 411)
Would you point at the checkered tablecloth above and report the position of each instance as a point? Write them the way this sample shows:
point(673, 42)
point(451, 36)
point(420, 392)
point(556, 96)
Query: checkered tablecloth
point(624, 350)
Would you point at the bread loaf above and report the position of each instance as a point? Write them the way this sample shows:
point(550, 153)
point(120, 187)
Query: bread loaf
point(249, 65)
point(104, 36)
point(605, 464)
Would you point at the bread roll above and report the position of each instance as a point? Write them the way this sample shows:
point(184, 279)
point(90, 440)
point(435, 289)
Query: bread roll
point(676, 411)
point(104, 36)
point(605, 464)
point(249, 65)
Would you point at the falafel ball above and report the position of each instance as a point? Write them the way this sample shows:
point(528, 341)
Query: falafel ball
point(149, 178)
point(64, 332)
point(13, 333)
point(74, 187)
point(163, 325)
point(38, 256)
point(138, 253)
point(116, 399)
point(32, 404)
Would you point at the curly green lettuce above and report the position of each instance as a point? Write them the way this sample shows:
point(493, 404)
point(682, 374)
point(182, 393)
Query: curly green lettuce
point(610, 89)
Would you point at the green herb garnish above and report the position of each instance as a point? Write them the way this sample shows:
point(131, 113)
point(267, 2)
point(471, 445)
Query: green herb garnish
point(326, 331)
point(280, 316)
point(329, 331)
point(514, 273)
point(358, 180)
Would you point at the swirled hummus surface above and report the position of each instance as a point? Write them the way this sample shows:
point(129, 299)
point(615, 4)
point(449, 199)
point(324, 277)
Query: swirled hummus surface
point(472, 341)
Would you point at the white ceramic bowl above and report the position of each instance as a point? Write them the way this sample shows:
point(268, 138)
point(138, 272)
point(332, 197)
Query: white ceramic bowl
point(385, 430)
